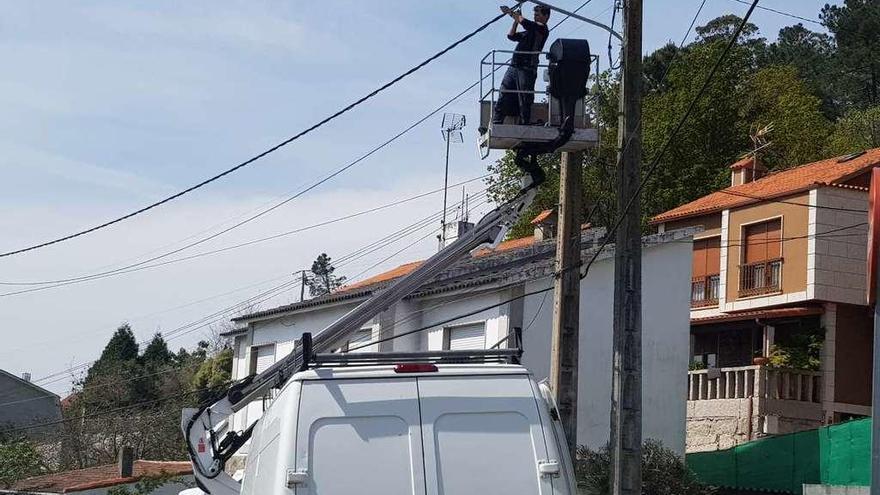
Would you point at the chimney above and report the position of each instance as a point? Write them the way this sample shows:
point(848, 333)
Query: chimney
point(26, 377)
point(454, 230)
point(545, 225)
point(748, 169)
point(126, 462)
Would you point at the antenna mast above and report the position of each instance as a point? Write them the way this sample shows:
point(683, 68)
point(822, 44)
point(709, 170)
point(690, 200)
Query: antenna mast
point(451, 128)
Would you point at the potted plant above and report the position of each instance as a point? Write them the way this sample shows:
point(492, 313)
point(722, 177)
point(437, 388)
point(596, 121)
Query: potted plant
point(760, 360)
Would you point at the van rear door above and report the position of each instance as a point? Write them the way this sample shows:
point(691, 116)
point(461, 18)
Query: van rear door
point(482, 435)
point(359, 436)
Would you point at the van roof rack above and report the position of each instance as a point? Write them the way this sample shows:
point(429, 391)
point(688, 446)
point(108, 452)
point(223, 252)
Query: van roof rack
point(508, 356)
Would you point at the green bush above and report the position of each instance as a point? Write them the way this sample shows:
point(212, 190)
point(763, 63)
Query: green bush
point(19, 459)
point(663, 472)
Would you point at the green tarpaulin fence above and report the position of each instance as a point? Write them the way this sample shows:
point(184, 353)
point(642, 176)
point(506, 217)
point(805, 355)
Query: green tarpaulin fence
point(832, 455)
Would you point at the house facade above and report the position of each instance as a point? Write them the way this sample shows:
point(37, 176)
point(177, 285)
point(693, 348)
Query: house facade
point(781, 333)
point(24, 403)
point(487, 278)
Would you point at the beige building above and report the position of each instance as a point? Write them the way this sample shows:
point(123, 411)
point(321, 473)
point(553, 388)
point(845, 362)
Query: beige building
point(778, 276)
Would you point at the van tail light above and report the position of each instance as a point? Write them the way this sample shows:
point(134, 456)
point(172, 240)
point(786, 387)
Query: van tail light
point(415, 368)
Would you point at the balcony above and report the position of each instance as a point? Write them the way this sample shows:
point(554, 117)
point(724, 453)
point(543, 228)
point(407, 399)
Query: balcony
point(746, 382)
point(763, 277)
point(704, 291)
point(729, 406)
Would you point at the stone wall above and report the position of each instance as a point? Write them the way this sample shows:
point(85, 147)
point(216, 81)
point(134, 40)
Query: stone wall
point(719, 424)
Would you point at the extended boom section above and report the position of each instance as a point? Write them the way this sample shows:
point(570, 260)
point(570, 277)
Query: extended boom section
point(203, 427)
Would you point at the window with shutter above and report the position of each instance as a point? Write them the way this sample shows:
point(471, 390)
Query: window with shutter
point(360, 338)
point(262, 356)
point(462, 337)
point(761, 270)
point(705, 272)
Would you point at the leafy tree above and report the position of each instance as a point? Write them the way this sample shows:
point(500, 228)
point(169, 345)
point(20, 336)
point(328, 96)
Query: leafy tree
point(146, 392)
point(156, 353)
point(214, 372)
point(322, 280)
point(655, 66)
point(721, 29)
point(19, 459)
point(857, 130)
point(856, 29)
point(814, 56)
point(663, 472)
point(747, 93)
point(122, 346)
point(777, 94)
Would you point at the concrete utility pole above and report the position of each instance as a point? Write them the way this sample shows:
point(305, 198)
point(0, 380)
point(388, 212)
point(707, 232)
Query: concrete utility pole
point(626, 383)
point(566, 297)
point(302, 285)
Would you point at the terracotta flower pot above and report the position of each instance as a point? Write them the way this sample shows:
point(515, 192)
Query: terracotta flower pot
point(761, 360)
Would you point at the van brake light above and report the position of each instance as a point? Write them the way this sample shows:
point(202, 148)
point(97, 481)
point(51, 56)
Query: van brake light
point(415, 368)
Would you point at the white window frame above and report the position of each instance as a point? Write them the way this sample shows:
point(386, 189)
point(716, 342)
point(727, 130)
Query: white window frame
point(254, 352)
point(447, 332)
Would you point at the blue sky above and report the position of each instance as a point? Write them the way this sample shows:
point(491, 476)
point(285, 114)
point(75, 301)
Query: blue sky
point(109, 105)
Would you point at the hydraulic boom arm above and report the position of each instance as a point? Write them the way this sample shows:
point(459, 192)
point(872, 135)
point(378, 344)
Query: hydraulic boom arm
point(200, 427)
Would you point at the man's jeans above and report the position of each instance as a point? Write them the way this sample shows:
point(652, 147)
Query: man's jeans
point(519, 79)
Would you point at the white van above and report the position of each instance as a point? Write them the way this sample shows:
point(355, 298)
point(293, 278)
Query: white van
point(410, 428)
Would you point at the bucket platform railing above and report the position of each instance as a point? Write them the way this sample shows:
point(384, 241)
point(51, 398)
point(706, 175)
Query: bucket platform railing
point(546, 114)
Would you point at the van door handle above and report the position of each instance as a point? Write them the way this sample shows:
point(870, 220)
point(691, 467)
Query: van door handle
point(548, 468)
point(295, 478)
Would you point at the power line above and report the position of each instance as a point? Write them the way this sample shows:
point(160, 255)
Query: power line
point(656, 161)
point(140, 266)
point(218, 315)
point(621, 216)
point(780, 12)
point(266, 152)
point(346, 167)
point(112, 410)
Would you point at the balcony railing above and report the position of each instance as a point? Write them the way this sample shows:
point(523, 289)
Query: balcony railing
point(763, 277)
point(704, 291)
point(745, 382)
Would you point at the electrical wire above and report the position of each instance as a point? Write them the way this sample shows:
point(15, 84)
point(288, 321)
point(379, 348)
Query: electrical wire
point(622, 215)
point(780, 12)
point(112, 410)
point(266, 152)
point(141, 266)
point(218, 315)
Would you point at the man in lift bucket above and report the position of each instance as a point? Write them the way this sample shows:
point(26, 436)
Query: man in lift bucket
point(518, 86)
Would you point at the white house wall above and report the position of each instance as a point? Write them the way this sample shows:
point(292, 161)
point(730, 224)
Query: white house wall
point(436, 310)
point(666, 290)
point(666, 280)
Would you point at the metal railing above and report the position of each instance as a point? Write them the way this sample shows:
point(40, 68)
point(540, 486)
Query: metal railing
point(704, 291)
point(490, 62)
point(763, 277)
point(744, 382)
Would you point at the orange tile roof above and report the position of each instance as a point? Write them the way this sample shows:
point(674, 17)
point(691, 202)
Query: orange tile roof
point(405, 269)
point(777, 184)
point(100, 477)
point(541, 216)
point(385, 276)
point(746, 162)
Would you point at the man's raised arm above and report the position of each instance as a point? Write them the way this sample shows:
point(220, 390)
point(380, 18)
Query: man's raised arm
point(517, 20)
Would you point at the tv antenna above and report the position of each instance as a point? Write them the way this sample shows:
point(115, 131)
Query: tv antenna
point(450, 128)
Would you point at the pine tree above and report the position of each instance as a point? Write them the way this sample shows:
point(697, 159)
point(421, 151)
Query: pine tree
point(322, 280)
